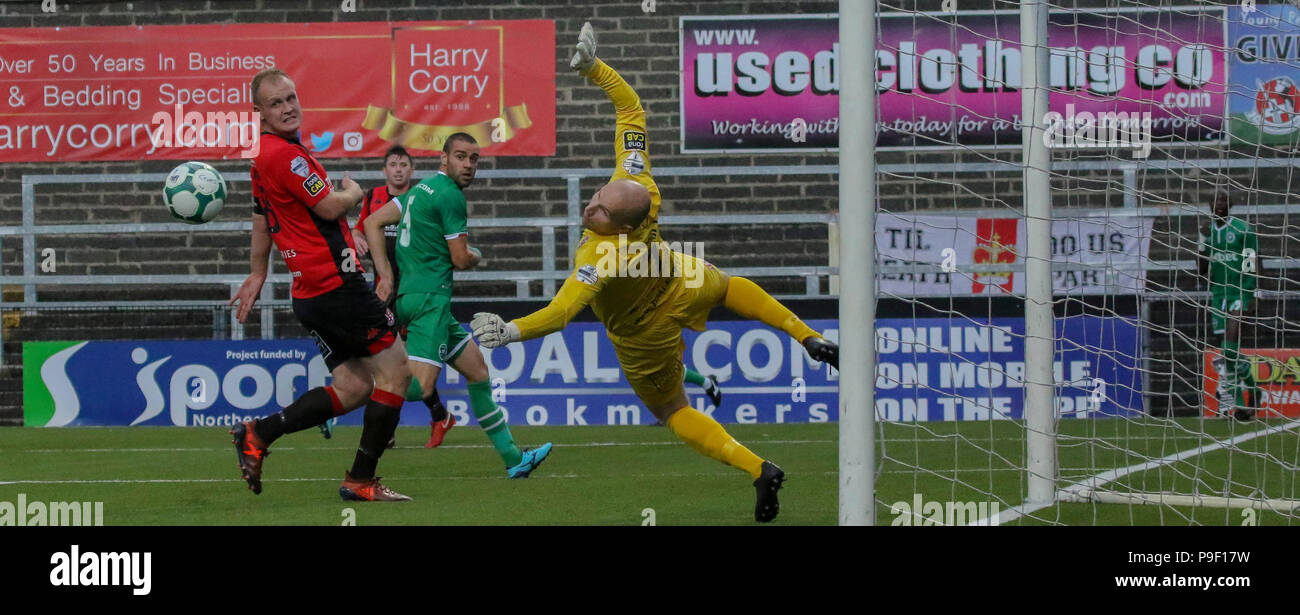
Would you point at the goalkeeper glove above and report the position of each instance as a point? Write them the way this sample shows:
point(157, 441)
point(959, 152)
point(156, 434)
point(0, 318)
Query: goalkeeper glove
point(585, 56)
point(492, 331)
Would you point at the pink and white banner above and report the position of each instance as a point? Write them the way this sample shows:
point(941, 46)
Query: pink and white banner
point(765, 83)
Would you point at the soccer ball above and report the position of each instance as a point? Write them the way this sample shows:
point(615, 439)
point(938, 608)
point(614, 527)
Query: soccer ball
point(194, 192)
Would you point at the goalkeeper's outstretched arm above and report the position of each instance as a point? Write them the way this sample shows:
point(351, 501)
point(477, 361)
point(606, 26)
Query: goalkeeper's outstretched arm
point(569, 300)
point(631, 146)
point(578, 290)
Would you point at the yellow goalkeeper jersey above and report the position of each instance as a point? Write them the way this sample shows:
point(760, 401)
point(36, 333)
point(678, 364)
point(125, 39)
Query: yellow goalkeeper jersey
point(623, 286)
point(631, 146)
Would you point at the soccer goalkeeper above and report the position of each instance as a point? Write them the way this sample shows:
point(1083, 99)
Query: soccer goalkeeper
point(1228, 256)
point(644, 314)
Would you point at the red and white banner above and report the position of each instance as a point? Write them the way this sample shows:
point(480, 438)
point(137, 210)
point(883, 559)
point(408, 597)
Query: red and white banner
point(84, 94)
point(1113, 249)
point(1276, 370)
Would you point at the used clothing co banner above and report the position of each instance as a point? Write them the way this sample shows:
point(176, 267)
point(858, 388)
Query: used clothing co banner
point(1111, 252)
point(764, 83)
point(84, 94)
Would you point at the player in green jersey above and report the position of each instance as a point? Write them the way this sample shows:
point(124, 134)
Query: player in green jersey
point(399, 166)
point(1228, 258)
point(432, 242)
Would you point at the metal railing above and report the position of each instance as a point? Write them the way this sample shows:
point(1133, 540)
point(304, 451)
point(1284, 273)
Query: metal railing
point(29, 230)
point(548, 274)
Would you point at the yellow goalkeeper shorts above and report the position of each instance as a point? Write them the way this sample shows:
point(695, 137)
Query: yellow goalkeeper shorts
point(651, 358)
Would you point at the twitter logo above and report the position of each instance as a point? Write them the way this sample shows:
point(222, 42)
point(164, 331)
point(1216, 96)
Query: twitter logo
point(320, 143)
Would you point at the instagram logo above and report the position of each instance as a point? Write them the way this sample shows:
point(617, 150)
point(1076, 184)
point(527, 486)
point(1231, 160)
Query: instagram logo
point(351, 141)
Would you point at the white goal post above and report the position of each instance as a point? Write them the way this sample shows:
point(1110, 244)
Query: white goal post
point(1109, 400)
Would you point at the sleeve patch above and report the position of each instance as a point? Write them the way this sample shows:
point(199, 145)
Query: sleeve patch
point(634, 164)
point(299, 166)
point(634, 140)
point(313, 184)
point(587, 274)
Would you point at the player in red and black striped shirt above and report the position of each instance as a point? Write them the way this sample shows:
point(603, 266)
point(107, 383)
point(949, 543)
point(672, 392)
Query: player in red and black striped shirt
point(398, 169)
point(298, 210)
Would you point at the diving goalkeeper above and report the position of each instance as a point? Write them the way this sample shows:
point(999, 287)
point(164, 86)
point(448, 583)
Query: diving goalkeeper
point(1229, 257)
point(644, 314)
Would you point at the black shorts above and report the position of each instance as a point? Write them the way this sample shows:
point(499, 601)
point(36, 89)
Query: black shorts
point(347, 323)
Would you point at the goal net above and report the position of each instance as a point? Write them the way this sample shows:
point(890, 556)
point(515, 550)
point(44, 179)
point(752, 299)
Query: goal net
point(1176, 332)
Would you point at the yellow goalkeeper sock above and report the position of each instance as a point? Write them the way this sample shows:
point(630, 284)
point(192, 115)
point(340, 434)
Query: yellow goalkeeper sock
point(708, 437)
point(747, 299)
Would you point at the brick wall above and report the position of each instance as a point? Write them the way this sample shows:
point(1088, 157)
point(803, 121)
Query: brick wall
point(644, 48)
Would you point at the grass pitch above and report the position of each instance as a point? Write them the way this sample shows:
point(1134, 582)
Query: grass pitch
point(611, 475)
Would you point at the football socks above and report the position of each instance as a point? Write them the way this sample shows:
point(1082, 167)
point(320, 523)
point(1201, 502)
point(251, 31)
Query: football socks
point(313, 408)
point(708, 437)
point(692, 376)
point(437, 411)
point(747, 299)
point(493, 422)
point(1241, 377)
point(383, 411)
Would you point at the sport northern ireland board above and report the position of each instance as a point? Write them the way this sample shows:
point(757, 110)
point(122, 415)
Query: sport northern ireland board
point(931, 369)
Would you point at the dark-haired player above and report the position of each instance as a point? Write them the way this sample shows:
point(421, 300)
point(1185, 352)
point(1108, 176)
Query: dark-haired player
point(1229, 261)
point(432, 242)
point(399, 167)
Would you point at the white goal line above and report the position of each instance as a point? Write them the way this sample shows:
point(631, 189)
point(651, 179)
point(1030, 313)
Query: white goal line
point(1087, 490)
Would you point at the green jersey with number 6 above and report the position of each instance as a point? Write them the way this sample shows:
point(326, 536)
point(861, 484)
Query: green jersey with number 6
point(433, 212)
point(1232, 249)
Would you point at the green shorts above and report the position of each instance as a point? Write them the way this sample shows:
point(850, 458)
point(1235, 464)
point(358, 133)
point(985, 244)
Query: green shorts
point(1222, 304)
point(433, 336)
